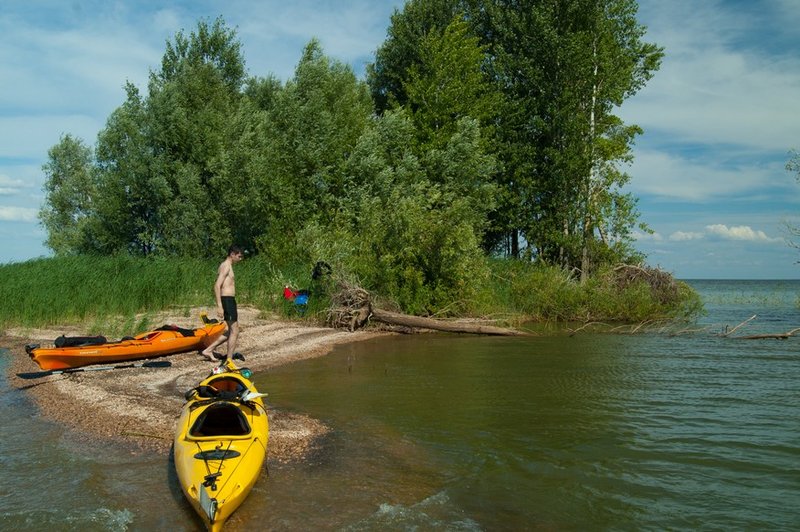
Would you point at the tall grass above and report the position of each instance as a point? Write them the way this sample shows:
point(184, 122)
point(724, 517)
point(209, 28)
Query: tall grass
point(528, 291)
point(81, 288)
point(121, 293)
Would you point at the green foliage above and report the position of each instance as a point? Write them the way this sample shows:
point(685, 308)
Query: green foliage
point(494, 119)
point(121, 294)
point(448, 84)
point(638, 302)
point(558, 69)
point(76, 288)
point(313, 125)
point(69, 195)
point(402, 48)
point(565, 67)
point(541, 293)
point(549, 293)
point(409, 226)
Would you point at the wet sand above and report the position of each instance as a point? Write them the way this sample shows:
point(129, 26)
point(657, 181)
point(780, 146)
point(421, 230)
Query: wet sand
point(139, 407)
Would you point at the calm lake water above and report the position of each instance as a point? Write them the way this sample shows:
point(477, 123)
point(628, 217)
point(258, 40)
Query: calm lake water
point(439, 432)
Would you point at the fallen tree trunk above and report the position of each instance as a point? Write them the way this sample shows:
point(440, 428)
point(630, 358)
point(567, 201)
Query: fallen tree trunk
point(778, 336)
point(352, 308)
point(405, 320)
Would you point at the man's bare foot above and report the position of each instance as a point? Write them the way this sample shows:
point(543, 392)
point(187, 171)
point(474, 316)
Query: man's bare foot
point(208, 356)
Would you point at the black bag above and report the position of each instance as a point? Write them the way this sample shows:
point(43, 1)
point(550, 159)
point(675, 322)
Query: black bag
point(79, 341)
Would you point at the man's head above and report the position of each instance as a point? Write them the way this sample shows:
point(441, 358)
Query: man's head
point(235, 253)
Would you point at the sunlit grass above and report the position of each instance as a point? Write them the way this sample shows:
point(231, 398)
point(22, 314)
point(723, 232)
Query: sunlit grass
point(528, 291)
point(122, 295)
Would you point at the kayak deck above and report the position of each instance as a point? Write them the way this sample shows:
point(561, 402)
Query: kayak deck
point(221, 443)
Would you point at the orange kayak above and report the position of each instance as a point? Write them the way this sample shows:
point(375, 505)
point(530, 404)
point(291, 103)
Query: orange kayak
point(81, 351)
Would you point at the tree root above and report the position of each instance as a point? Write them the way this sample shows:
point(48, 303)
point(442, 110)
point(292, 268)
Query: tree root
point(352, 308)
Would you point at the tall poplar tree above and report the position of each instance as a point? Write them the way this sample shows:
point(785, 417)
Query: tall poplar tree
point(565, 66)
point(562, 67)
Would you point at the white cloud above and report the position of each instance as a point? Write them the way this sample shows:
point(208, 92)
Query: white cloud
point(681, 236)
point(720, 83)
point(671, 175)
point(12, 187)
point(740, 232)
point(18, 214)
point(641, 237)
point(723, 232)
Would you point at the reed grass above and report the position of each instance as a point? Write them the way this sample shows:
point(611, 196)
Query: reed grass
point(122, 294)
point(70, 289)
point(534, 292)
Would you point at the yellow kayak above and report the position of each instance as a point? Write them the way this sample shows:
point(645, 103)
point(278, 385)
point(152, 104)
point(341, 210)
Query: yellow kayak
point(221, 443)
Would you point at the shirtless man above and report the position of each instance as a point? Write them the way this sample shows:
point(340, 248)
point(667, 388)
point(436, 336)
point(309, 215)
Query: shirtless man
point(225, 292)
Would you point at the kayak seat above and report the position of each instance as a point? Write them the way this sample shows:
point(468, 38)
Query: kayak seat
point(227, 384)
point(220, 419)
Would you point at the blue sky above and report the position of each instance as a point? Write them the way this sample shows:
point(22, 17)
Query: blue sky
point(720, 116)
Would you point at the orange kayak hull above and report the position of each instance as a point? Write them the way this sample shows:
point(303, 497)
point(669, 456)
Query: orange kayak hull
point(146, 345)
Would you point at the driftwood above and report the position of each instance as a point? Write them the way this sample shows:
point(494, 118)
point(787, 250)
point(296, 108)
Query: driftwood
point(352, 308)
point(748, 320)
point(778, 336)
point(393, 318)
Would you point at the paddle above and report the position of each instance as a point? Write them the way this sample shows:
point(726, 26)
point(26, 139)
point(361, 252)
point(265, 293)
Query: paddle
point(148, 364)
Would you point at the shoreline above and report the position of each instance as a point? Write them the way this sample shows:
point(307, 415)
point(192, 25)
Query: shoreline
point(139, 407)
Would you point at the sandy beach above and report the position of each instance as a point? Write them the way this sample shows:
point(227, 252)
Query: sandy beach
point(138, 407)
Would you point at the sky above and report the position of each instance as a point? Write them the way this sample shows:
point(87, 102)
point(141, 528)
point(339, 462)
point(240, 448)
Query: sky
point(720, 117)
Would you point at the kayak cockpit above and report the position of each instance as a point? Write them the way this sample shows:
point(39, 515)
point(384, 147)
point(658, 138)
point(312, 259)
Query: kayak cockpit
point(220, 419)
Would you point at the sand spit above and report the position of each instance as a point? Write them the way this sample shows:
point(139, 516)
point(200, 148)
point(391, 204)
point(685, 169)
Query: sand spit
point(139, 406)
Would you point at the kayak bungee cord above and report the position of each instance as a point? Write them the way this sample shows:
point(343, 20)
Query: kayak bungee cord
point(211, 478)
point(231, 475)
point(203, 454)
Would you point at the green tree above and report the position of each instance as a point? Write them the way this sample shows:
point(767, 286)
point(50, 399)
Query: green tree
point(403, 48)
point(312, 126)
point(160, 158)
point(69, 189)
point(128, 196)
point(448, 84)
point(565, 66)
point(410, 225)
point(190, 103)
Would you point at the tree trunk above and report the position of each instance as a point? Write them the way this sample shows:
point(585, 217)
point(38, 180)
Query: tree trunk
point(588, 232)
point(515, 243)
point(393, 318)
